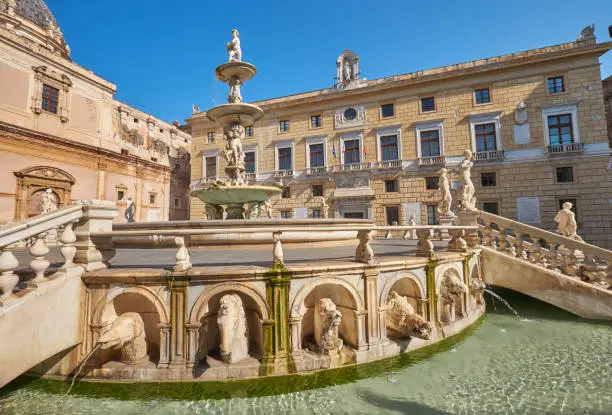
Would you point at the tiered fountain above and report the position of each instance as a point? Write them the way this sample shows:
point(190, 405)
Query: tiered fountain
point(234, 193)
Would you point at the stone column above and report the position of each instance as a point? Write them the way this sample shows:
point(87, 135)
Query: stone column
point(382, 322)
point(296, 337)
point(94, 253)
point(164, 345)
point(371, 299)
point(193, 330)
point(362, 341)
point(432, 309)
point(178, 314)
point(276, 339)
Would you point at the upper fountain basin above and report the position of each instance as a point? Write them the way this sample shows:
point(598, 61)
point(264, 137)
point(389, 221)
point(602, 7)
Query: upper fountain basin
point(227, 114)
point(235, 195)
point(241, 70)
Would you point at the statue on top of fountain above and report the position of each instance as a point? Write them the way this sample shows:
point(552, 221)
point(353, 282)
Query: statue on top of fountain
point(233, 47)
point(234, 156)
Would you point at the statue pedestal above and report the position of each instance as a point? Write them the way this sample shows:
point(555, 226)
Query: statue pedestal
point(445, 220)
point(469, 218)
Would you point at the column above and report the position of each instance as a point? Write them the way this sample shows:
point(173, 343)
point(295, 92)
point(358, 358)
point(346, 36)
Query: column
point(164, 345)
point(193, 330)
point(362, 342)
point(295, 324)
point(432, 309)
point(178, 313)
point(371, 299)
point(101, 185)
point(276, 335)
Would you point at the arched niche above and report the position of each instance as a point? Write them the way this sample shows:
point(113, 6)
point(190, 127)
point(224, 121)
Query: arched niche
point(408, 285)
point(459, 303)
point(205, 312)
point(32, 180)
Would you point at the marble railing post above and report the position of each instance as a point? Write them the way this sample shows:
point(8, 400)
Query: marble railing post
point(469, 218)
point(8, 279)
point(183, 259)
point(68, 250)
point(364, 252)
point(39, 250)
point(94, 253)
point(278, 257)
point(424, 245)
point(164, 345)
point(457, 243)
point(193, 331)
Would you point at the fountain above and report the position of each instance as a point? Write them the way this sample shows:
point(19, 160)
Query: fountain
point(234, 193)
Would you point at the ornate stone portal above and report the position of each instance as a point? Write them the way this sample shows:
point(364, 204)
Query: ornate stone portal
point(231, 319)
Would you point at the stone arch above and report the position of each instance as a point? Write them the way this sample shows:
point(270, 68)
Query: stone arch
point(33, 179)
point(443, 269)
point(459, 310)
point(100, 311)
point(384, 293)
point(200, 307)
point(297, 307)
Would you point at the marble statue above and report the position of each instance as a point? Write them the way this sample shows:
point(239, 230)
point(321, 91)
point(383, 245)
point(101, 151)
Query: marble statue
point(127, 333)
point(130, 210)
point(234, 96)
point(520, 115)
point(566, 219)
point(254, 210)
point(451, 290)
point(233, 48)
point(326, 322)
point(49, 201)
point(213, 212)
point(233, 145)
point(467, 201)
point(267, 207)
point(346, 71)
point(588, 33)
point(324, 208)
point(444, 207)
point(403, 321)
point(232, 323)
point(411, 233)
point(195, 109)
point(477, 287)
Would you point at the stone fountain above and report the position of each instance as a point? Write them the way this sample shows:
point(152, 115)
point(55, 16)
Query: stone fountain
point(234, 193)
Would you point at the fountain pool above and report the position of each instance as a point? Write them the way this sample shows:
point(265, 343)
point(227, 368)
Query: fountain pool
point(547, 362)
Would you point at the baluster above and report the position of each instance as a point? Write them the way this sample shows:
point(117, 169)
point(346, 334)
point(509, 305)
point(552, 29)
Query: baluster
point(424, 245)
point(457, 243)
point(68, 249)
point(183, 259)
point(364, 252)
point(510, 245)
point(486, 235)
point(39, 264)
point(8, 279)
point(278, 256)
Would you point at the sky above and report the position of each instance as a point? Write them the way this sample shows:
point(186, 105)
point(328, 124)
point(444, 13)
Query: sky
point(162, 54)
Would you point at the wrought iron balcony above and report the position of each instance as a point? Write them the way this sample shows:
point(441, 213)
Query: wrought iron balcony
point(432, 161)
point(565, 148)
point(489, 155)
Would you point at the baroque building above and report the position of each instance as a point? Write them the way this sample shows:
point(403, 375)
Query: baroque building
point(61, 129)
point(535, 121)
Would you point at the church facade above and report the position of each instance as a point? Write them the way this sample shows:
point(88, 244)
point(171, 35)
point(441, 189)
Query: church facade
point(535, 122)
point(61, 129)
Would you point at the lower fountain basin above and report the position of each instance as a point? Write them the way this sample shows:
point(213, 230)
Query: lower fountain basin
point(236, 195)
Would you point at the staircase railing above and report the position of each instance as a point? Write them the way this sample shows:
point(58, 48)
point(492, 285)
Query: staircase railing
point(569, 256)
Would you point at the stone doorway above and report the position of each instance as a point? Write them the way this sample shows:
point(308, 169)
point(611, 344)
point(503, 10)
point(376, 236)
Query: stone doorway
point(33, 181)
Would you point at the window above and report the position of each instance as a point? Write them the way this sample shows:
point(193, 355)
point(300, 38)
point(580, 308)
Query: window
point(315, 121)
point(120, 194)
point(248, 131)
point(485, 137)
point(350, 114)
point(432, 218)
point(491, 207)
point(428, 104)
point(488, 179)
point(392, 215)
point(560, 129)
point(317, 155)
point(565, 175)
point(177, 202)
point(317, 190)
point(211, 167)
point(154, 159)
point(574, 206)
point(390, 186)
point(388, 147)
point(430, 143)
point(387, 111)
point(431, 183)
point(50, 99)
point(284, 158)
point(283, 126)
point(152, 197)
point(351, 152)
point(556, 85)
point(125, 151)
point(285, 214)
point(482, 96)
point(286, 192)
point(249, 162)
point(316, 213)
point(210, 137)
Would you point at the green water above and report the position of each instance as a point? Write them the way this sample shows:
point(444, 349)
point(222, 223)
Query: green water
point(548, 362)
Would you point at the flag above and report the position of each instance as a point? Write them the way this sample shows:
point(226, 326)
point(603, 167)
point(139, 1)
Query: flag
point(334, 149)
point(364, 149)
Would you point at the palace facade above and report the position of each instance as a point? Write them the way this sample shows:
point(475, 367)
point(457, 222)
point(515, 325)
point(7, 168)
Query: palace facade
point(535, 121)
point(60, 128)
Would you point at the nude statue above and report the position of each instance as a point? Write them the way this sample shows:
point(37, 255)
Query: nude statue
point(234, 96)
point(325, 208)
point(444, 207)
point(233, 48)
point(130, 210)
point(233, 145)
point(566, 219)
point(466, 191)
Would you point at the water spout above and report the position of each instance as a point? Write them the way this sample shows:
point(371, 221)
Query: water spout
point(504, 302)
point(82, 365)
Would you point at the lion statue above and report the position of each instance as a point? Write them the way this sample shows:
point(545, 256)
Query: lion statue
point(232, 323)
point(451, 290)
point(126, 333)
point(326, 322)
point(402, 321)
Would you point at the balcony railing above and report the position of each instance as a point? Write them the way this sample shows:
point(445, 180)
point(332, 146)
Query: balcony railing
point(354, 167)
point(283, 173)
point(250, 176)
point(489, 155)
point(316, 171)
point(432, 161)
point(389, 164)
point(564, 148)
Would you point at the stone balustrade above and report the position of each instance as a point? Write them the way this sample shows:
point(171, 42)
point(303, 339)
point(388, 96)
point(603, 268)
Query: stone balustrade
point(568, 256)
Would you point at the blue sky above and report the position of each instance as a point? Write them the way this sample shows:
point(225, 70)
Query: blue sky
point(162, 54)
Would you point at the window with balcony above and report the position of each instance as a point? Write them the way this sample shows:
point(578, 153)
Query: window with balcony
point(285, 161)
point(428, 104)
point(491, 207)
point(560, 129)
point(315, 121)
point(351, 152)
point(432, 215)
point(488, 179)
point(389, 148)
point(486, 139)
point(317, 155)
point(565, 174)
point(317, 190)
point(249, 162)
point(283, 126)
point(50, 99)
point(390, 186)
point(392, 215)
point(482, 96)
point(431, 183)
point(387, 111)
point(555, 85)
point(430, 143)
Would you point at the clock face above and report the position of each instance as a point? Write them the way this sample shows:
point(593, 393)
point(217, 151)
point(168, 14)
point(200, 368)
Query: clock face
point(350, 114)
